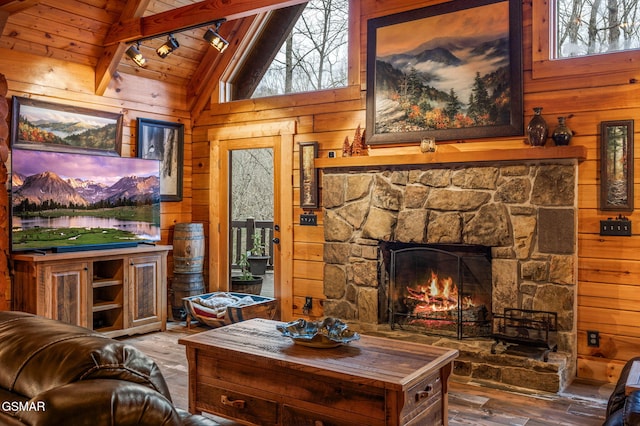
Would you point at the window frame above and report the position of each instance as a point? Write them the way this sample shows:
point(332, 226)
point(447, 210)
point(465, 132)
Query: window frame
point(543, 66)
point(228, 77)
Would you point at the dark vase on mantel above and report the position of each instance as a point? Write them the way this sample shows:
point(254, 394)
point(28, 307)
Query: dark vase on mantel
point(537, 130)
point(562, 134)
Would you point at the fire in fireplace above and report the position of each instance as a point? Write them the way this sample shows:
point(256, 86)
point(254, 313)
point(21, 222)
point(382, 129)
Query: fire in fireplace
point(440, 289)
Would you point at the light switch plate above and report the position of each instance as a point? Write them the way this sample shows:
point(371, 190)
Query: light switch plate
point(308, 219)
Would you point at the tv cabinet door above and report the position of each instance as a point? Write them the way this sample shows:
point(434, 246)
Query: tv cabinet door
point(147, 301)
point(64, 289)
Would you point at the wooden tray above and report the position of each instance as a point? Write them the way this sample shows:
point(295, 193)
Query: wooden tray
point(263, 307)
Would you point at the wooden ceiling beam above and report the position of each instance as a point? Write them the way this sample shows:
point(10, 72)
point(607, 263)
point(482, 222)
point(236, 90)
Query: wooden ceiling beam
point(111, 55)
point(194, 15)
point(207, 76)
point(9, 7)
point(15, 6)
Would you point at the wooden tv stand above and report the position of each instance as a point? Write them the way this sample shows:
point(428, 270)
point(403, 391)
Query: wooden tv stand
point(116, 291)
point(249, 372)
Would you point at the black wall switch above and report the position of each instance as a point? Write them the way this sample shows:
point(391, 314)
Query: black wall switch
point(616, 227)
point(308, 219)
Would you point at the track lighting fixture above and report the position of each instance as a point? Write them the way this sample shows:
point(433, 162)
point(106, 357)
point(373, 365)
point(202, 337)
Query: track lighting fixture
point(215, 39)
point(169, 46)
point(211, 36)
point(134, 53)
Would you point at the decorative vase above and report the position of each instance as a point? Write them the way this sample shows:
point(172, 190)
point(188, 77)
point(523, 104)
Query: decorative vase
point(537, 130)
point(562, 134)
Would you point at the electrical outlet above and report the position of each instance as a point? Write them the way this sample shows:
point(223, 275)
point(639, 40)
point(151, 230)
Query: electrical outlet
point(593, 338)
point(308, 304)
point(308, 219)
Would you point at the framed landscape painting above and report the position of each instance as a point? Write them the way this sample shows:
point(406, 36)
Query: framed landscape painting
point(54, 127)
point(308, 175)
point(616, 165)
point(164, 141)
point(451, 71)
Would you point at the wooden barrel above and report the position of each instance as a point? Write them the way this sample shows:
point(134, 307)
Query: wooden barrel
point(184, 285)
point(188, 248)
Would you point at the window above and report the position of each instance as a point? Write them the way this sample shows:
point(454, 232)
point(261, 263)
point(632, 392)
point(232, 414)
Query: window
point(585, 36)
point(312, 55)
point(589, 27)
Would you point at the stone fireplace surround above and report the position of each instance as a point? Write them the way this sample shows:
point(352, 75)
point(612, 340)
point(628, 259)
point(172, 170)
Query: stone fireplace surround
point(525, 211)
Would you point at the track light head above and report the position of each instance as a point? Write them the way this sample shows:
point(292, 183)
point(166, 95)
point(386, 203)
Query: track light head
point(169, 46)
point(134, 53)
point(215, 39)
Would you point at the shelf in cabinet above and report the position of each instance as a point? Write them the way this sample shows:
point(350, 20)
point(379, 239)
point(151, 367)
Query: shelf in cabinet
point(97, 283)
point(105, 306)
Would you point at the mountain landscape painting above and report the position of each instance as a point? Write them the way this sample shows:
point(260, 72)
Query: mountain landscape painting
point(449, 73)
point(66, 199)
point(51, 126)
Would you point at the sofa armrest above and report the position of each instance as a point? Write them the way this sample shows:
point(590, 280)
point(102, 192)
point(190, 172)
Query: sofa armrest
point(633, 378)
point(101, 402)
point(631, 411)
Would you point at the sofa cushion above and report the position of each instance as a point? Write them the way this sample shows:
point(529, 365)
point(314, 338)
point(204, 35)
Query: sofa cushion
point(101, 402)
point(38, 354)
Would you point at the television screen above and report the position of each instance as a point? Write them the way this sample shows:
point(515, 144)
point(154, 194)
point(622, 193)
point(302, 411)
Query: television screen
point(64, 201)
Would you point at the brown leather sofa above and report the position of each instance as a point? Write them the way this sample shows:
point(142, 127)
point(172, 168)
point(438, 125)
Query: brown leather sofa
point(53, 373)
point(623, 409)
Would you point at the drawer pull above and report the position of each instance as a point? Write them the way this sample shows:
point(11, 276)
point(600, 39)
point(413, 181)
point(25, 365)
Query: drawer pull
point(424, 394)
point(238, 403)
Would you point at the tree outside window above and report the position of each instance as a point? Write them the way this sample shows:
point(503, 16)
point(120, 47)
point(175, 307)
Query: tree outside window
point(314, 55)
point(590, 27)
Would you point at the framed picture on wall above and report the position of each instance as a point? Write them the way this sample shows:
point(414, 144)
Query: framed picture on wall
point(49, 126)
point(450, 71)
point(616, 165)
point(308, 175)
point(164, 141)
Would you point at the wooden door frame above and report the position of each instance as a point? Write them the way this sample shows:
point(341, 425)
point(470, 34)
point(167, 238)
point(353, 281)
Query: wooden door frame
point(280, 137)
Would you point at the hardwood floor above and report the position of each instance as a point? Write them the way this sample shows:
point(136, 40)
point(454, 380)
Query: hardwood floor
point(583, 404)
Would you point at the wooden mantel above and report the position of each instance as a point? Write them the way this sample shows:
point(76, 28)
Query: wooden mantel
point(450, 155)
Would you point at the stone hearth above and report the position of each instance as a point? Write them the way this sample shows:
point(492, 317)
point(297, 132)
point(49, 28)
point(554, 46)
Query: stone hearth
point(525, 212)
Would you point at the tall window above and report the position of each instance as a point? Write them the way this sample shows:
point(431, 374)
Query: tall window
point(588, 27)
point(314, 55)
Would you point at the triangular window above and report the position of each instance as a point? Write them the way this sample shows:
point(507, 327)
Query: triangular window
point(300, 48)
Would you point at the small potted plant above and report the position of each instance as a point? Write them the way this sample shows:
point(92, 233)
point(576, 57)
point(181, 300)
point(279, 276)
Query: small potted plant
point(246, 282)
point(256, 258)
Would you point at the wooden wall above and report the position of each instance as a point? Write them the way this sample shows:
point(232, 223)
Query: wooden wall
point(71, 84)
point(609, 267)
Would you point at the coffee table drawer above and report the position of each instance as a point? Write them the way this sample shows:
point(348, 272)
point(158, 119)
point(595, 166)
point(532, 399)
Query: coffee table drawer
point(422, 395)
point(237, 405)
point(292, 416)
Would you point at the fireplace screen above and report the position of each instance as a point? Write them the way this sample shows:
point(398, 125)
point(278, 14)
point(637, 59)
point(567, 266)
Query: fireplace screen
point(441, 291)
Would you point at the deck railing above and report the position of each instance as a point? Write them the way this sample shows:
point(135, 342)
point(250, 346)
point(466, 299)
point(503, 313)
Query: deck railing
point(242, 232)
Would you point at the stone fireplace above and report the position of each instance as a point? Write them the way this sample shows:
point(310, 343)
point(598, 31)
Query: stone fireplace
point(525, 214)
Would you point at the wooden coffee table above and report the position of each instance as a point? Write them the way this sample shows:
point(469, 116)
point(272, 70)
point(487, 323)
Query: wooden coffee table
point(249, 372)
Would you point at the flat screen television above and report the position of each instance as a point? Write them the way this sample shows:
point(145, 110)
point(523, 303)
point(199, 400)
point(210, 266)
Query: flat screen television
point(62, 201)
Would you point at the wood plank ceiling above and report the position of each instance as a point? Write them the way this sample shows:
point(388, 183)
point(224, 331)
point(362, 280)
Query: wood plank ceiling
point(97, 33)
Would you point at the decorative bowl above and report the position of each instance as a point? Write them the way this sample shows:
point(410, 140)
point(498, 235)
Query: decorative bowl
point(328, 333)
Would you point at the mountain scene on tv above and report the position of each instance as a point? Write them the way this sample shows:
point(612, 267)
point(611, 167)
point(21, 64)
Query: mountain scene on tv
point(457, 78)
point(48, 126)
point(62, 199)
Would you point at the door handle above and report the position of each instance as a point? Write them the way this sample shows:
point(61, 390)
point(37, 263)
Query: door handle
point(276, 240)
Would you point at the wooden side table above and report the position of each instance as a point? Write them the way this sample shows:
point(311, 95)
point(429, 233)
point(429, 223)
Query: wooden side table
point(249, 372)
